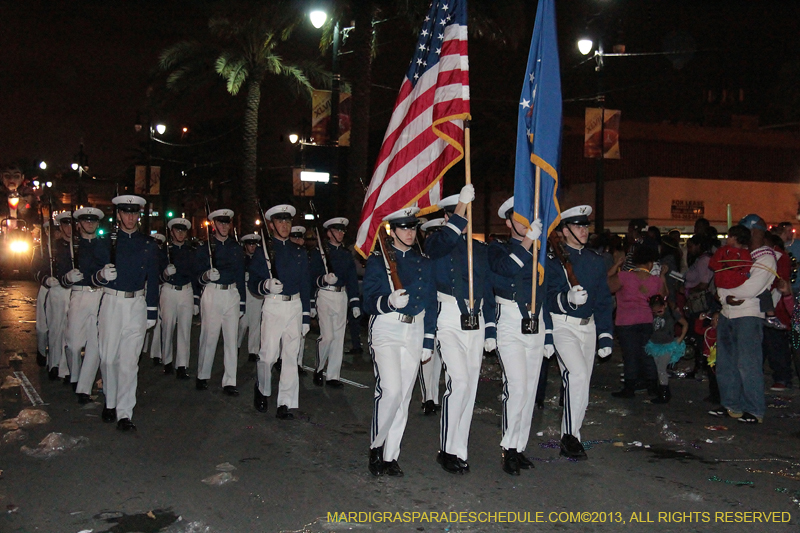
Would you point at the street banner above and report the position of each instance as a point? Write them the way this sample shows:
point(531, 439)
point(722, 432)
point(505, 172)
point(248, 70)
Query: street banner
point(321, 116)
point(425, 136)
point(609, 131)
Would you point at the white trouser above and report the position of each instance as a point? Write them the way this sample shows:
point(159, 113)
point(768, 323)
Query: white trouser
point(56, 309)
point(429, 375)
point(332, 316)
point(153, 338)
point(301, 351)
point(219, 311)
point(521, 358)
point(575, 345)
point(122, 325)
point(462, 354)
point(281, 335)
point(176, 307)
point(251, 321)
point(41, 320)
point(81, 332)
point(396, 349)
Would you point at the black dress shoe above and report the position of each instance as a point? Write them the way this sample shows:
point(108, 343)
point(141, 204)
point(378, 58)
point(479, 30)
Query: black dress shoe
point(391, 468)
point(463, 464)
point(74, 386)
point(511, 462)
point(334, 383)
point(109, 414)
point(300, 370)
point(230, 390)
point(449, 462)
point(67, 380)
point(53, 373)
point(83, 399)
point(318, 379)
point(181, 373)
point(355, 351)
point(253, 357)
point(156, 362)
point(259, 400)
point(125, 424)
point(278, 366)
point(540, 406)
point(429, 407)
point(524, 462)
point(168, 368)
point(572, 448)
point(201, 384)
point(283, 413)
point(376, 461)
point(41, 360)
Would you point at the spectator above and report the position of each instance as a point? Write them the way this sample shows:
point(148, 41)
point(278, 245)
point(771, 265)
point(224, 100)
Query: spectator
point(696, 286)
point(776, 347)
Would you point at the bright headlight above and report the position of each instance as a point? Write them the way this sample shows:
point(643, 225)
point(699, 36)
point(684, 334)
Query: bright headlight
point(19, 246)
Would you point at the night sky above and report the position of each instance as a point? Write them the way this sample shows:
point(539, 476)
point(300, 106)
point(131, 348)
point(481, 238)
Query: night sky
point(75, 71)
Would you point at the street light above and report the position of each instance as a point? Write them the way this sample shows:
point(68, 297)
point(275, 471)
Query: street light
point(585, 46)
point(318, 18)
point(43, 165)
point(293, 138)
point(75, 166)
point(160, 128)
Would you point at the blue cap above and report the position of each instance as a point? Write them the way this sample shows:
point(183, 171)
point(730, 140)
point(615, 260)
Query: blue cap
point(753, 221)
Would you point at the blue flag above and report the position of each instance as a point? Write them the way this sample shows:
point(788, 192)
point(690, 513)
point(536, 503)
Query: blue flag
point(539, 130)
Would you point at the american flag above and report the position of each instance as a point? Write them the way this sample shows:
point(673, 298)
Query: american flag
point(425, 136)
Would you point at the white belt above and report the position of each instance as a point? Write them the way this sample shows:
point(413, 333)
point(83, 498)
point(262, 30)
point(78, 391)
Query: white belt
point(332, 288)
point(123, 294)
point(406, 319)
point(573, 319)
point(446, 298)
point(282, 297)
point(176, 287)
point(87, 288)
point(220, 287)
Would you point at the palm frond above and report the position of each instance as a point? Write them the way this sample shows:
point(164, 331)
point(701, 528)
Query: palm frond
point(297, 79)
point(178, 53)
point(233, 69)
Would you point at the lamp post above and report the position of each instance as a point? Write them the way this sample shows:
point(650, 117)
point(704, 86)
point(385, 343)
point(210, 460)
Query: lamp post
point(151, 130)
point(585, 46)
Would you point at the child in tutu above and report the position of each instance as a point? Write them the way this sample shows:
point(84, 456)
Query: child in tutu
point(663, 346)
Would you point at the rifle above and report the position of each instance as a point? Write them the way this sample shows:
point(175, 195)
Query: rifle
point(72, 239)
point(50, 236)
point(208, 237)
point(269, 252)
point(389, 260)
point(166, 233)
point(323, 248)
point(114, 230)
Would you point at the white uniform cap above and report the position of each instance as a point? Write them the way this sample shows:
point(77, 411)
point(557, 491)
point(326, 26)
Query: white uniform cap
point(449, 203)
point(160, 238)
point(64, 215)
point(298, 229)
point(503, 211)
point(220, 213)
point(403, 217)
point(129, 202)
point(251, 238)
point(281, 211)
point(338, 221)
point(577, 215)
point(87, 213)
point(433, 224)
point(181, 221)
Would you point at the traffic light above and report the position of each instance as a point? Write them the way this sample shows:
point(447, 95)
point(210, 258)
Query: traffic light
point(170, 214)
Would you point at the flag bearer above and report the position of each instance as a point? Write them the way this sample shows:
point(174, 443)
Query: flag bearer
point(251, 321)
point(177, 299)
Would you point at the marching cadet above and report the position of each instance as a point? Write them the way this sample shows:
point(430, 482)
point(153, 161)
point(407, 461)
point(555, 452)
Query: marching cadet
point(128, 308)
point(461, 331)
point(286, 286)
point(57, 304)
point(40, 266)
point(430, 373)
point(298, 236)
point(177, 302)
point(401, 335)
point(522, 340)
point(153, 338)
point(581, 316)
point(336, 282)
point(223, 301)
point(251, 321)
point(84, 303)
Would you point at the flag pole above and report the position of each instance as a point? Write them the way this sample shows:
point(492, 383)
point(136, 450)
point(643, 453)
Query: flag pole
point(468, 175)
point(537, 187)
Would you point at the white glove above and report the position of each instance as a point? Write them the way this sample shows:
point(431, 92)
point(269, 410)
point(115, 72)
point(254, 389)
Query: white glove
point(398, 299)
point(247, 276)
point(195, 310)
point(426, 355)
point(330, 278)
point(604, 352)
point(109, 272)
point(274, 286)
point(577, 296)
point(305, 330)
point(151, 324)
point(170, 270)
point(467, 194)
point(549, 350)
point(313, 312)
point(212, 274)
point(536, 230)
point(356, 312)
point(51, 281)
point(74, 275)
point(489, 345)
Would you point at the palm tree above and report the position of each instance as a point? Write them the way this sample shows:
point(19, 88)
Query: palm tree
point(243, 50)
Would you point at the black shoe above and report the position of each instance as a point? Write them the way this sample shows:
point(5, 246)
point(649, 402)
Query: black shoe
point(572, 448)
point(524, 462)
point(334, 384)
point(463, 464)
point(301, 371)
point(628, 390)
point(540, 406)
point(318, 379)
point(278, 366)
point(74, 386)
point(664, 395)
point(392, 468)
point(652, 388)
point(376, 461)
point(429, 407)
point(283, 413)
point(53, 373)
point(67, 380)
point(230, 390)
point(156, 362)
point(83, 399)
point(355, 351)
point(259, 400)
point(125, 424)
point(449, 462)
point(41, 360)
point(201, 384)
point(109, 414)
point(511, 462)
point(253, 357)
point(168, 368)
point(181, 373)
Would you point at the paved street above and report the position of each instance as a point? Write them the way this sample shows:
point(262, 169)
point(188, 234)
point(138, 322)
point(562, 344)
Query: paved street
point(646, 462)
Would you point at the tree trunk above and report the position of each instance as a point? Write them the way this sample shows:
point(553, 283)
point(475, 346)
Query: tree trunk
point(249, 192)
